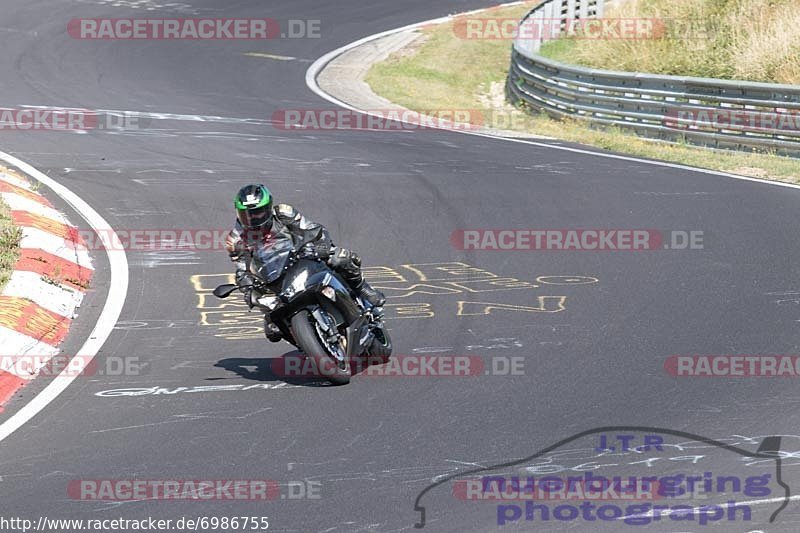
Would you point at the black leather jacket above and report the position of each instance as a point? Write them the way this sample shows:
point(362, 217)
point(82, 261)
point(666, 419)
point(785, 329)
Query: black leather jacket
point(285, 218)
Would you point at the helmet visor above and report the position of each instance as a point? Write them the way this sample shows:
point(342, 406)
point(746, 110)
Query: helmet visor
point(258, 218)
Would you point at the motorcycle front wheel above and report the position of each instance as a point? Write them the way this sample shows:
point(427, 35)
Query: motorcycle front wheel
point(309, 340)
point(381, 346)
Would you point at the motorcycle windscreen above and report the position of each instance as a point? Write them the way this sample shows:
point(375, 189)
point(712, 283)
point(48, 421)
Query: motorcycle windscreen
point(270, 260)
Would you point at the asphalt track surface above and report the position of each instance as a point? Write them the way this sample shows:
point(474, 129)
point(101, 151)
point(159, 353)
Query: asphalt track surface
point(396, 197)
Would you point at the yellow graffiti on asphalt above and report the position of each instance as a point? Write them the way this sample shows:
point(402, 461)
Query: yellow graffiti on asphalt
point(208, 282)
point(377, 274)
point(447, 271)
point(232, 319)
point(547, 304)
point(408, 310)
point(209, 301)
point(491, 285)
point(401, 291)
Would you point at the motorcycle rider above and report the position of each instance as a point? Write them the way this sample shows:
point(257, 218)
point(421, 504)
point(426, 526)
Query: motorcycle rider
point(257, 217)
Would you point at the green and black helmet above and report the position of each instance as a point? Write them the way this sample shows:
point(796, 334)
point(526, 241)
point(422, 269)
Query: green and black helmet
point(254, 207)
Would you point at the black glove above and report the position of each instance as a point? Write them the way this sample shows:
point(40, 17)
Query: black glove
point(339, 257)
point(323, 248)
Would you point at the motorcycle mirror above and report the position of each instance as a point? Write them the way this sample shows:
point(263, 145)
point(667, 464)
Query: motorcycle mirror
point(223, 291)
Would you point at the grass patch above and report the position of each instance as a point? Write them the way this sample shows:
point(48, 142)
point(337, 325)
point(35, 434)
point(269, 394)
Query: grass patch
point(754, 40)
point(10, 235)
point(447, 72)
point(82, 284)
point(444, 70)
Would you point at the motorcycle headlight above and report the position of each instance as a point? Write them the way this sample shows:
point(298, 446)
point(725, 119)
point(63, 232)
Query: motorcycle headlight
point(329, 293)
point(270, 302)
point(299, 283)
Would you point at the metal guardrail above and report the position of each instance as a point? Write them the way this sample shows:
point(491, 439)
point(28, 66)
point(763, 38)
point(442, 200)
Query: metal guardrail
point(736, 115)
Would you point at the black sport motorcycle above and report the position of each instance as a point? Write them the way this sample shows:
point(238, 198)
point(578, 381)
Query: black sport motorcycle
point(314, 307)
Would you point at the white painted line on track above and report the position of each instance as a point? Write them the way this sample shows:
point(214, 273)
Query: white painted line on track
point(115, 300)
point(316, 67)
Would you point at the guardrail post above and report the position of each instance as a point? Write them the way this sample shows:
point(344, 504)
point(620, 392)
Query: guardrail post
point(566, 18)
point(599, 8)
point(584, 13)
